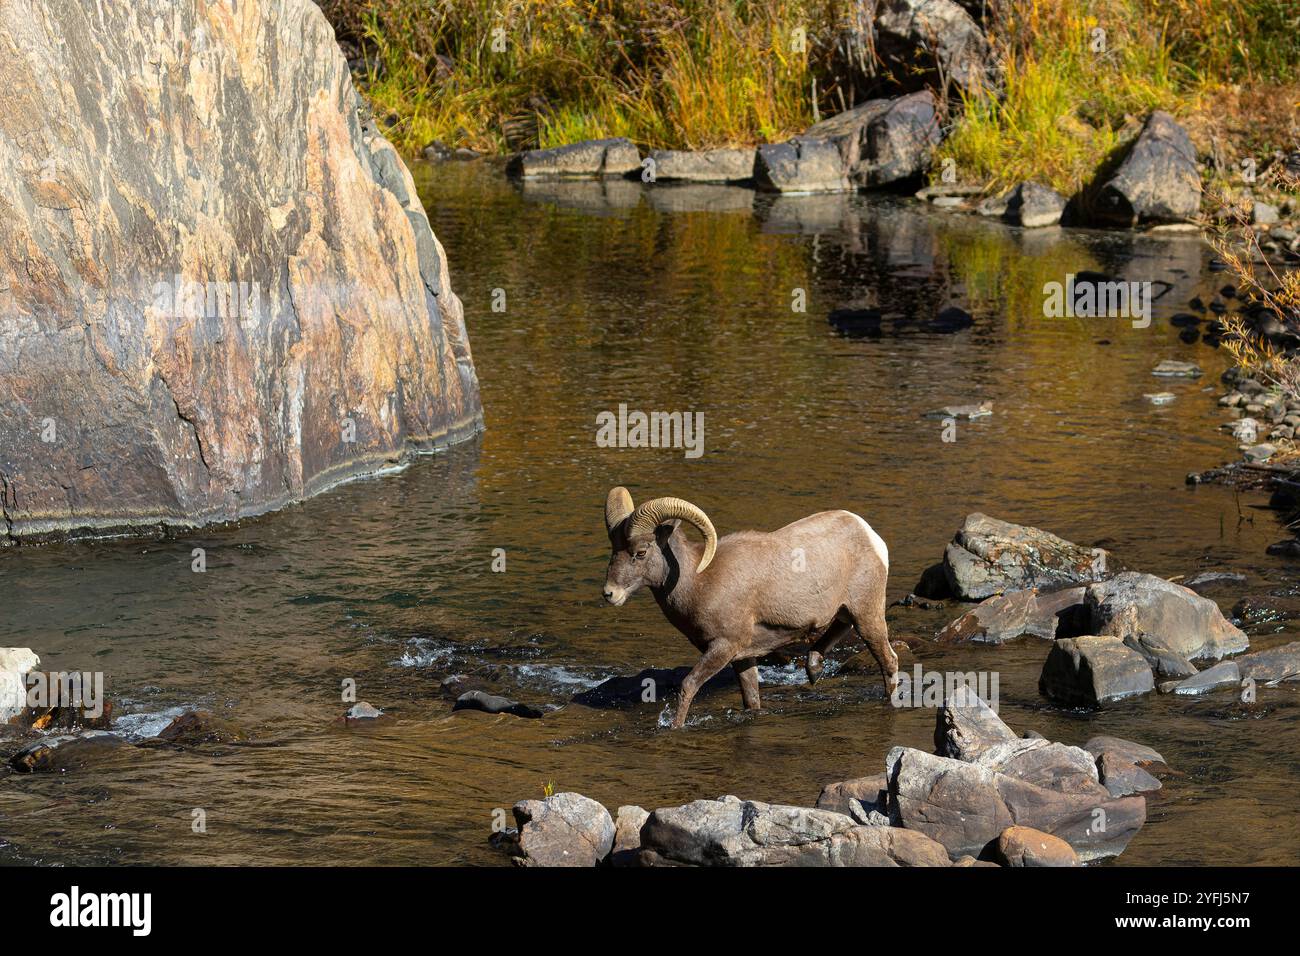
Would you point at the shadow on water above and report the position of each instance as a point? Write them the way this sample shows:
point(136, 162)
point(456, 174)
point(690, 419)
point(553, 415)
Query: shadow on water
point(669, 298)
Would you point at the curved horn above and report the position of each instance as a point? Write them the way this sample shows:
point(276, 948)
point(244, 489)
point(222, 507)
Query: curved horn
point(618, 505)
point(650, 514)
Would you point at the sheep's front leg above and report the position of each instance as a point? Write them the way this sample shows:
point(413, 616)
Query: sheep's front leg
point(718, 656)
point(747, 673)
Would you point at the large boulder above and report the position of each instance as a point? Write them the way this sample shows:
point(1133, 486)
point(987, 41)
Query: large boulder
point(882, 142)
point(733, 832)
point(1091, 670)
point(801, 166)
point(565, 829)
point(914, 44)
point(1162, 615)
point(988, 556)
point(219, 292)
point(15, 664)
point(1005, 617)
point(592, 158)
point(1157, 181)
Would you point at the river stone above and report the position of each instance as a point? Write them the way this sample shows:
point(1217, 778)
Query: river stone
point(588, 159)
point(703, 166)
point(66, 752)
point(857, 798)
point(1222, 674)
point(913, 44)
point(494, 704)
point(627, 835)
point(15, 664)
point(1045, 764)
point(988, 557)
point(733, 832)
point(1121, 776)
point(197, 727)
point(969, 412)
point(651, 686)
point(1004, 617)
point(220, 291)
point(884, 141)
point(1170, 368)
point(966, 727)
point(965, 806)
point(1088, 671)
point(1157, 181)
point(1023, 846)
point(1140, 754)
point(800, 166)
point(1276, 664)
point(1178, 618)
point(1159, 657)
point(1030, 205)
point(363, 710)
point(565, 829)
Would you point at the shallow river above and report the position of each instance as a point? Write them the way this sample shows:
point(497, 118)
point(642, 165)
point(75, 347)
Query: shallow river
point(665, 300)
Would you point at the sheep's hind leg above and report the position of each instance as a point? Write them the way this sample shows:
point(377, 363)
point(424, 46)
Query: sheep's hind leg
point(823, 646)
point(747, 673)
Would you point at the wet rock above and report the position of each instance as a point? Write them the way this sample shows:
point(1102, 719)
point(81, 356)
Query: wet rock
point(565, 829)
point(934, 583)
point(494, 704)
point(1276, 664)
point(1088, 671)
point(965, 807)
point(733, 832)
point(627, 835)
point(1124, 750)
point(15, 664)
point(1209, 580)
point(363, 710)
point(703, 166)
point(1160, 398)
point(1030, 205)
point(67, 752)
point(195, 728)
point(949, 320)
point(883, 141)
point(1122, 777)
point(1005, 617)
point(1182, 621)
point(68, 700)
point(800, 166)
point(1244, 429)
point(1157, 181)
point(988, 557)
point(651, 686)
point(1023, 846)
point(1168, 368)
point(1223, 674)
point(968, 412)
point(194, 287)
point(863, 799)
point(915, 44)
point(1043, 763)
point(1261, 452)
point(966, 727)
point(1163, 661)
point(591, 158)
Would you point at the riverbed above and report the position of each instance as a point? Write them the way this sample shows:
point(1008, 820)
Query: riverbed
point(583, 296)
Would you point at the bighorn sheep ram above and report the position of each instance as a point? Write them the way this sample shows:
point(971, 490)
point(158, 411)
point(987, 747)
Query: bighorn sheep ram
point(742, 596)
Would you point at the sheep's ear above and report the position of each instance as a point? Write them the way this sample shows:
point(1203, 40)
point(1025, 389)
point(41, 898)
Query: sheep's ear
point(665, 531)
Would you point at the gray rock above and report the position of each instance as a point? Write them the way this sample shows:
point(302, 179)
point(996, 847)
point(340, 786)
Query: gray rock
point(15, 664)
point(801, 166)
point(1159, 657)
point(1168, 368)
point(856, 798)
point(1023, 846)
point(1043, 763)
point(732, 832)
point(1157, 181)
point(1223, 674)
point(363, 710)
point(882, 142)
point(1030, 205)
point(1124, 750)
point(627, 835)
point(968, 412)
point(1004, 617)
point(494, 704)
point(1276, 664)
point(988, 557)
point(191, 266)
point(1133, 604)
point(703, 166)
point(1245, 429)
point(565, 829)
point(1122, 777)
point(1261, 452)
point(1088, 671)
point(590, 158)
point(967, 727)
point(1263, 214)
point(654, 683)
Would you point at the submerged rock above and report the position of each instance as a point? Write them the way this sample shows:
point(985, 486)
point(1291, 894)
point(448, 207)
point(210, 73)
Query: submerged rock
point(217, 302)
point(1276, 664)
point(494, 704)
point(651, 686)
point(968, 412)
point(988, 557)
point(1089, 671)
point(67, 752)
point(1005, 617)
point(1152, 609)
point(197, 727)
point(565, 829)
point(592, 158)
point(1157, 181)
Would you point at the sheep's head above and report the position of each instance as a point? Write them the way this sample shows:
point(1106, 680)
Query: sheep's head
point(639, 537)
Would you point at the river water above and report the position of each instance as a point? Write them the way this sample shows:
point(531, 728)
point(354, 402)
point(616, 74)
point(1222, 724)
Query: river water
point(662, 299)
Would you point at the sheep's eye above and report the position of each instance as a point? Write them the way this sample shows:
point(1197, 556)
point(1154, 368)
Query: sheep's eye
point(640, 554)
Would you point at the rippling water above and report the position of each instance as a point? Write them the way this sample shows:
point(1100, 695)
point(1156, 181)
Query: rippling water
point(672, 300)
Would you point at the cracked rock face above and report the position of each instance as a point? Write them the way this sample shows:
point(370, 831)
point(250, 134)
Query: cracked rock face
point(218, 291)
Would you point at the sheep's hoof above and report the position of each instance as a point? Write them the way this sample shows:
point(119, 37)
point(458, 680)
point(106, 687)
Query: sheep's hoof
point(814, 667)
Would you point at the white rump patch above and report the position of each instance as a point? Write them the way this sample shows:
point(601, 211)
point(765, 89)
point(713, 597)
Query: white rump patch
point(877, 542)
